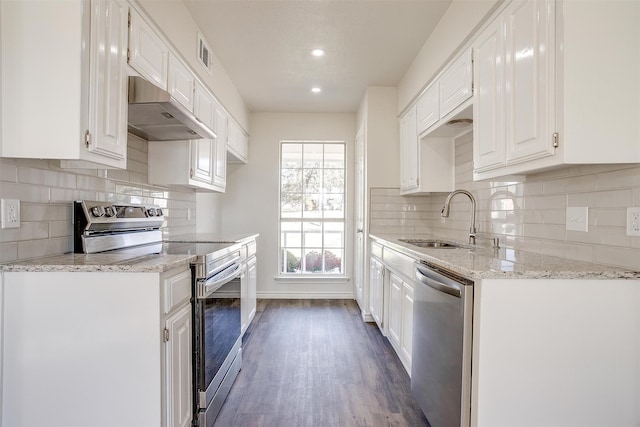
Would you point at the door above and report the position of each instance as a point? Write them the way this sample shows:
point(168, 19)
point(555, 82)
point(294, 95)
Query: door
point(178, 354)
point(108, 80)
point(358, 268)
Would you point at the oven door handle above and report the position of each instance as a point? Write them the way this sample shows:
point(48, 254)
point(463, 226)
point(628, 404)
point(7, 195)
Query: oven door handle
point(209, 286)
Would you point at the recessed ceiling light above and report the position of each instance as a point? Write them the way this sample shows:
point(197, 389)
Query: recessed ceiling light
point(317, 52)
point(316, 89)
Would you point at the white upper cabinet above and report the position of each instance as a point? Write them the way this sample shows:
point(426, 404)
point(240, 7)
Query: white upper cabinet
point(540, 94)
point(409, 163)
point(148, 53)
point(237, 144)
point(456, 84)
point(202, 160)
point(220, 158)
point(181, 82)
point(428, 108)
point(79, 111)
point(529, 80)
point(488, 104)
point(204, 106)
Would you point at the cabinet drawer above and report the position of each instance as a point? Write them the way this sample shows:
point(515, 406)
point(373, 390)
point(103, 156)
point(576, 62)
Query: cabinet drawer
point(376, 250)
point(177, 290)
point(251, 249)
point(400, 263)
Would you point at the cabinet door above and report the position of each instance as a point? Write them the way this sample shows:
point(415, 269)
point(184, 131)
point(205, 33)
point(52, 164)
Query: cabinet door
point(108, 80)
point(395, 309)
point(202, 160)
point(529, 79)
point(149, 55)
point(409, 162)
point(376, 280)
point(181, 82)
point(455, 84)
point(406, 337)
point(488, 102)
point(220, 160)
point(252, 289)
point(178, 369)
point(237, 142)
point(204, 106)
point(428, 108)
point(244, 302)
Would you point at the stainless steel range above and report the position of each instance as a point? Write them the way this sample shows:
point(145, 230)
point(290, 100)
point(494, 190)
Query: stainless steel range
point(217, 355)
point(217, 323)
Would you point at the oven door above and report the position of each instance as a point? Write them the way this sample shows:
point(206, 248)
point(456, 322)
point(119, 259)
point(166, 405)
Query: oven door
point(218, 341)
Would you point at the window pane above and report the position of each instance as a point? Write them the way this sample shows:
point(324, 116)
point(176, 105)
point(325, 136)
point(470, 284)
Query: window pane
point(333, 235)
point(312, 155)
point(334, 156)
point(291, 155)
point(334, 180)
point(312, 180)
point(334, 206)
point(312, 204)
point(313, 260)
point(291, 258)
point(291, 181)
point(312, 234)
point(291, 205)
point(291, 234)
point(333, 261)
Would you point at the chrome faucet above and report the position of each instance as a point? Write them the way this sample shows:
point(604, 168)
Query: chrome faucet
point(472, 227)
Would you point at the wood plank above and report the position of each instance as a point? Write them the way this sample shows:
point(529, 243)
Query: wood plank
point(316, 363)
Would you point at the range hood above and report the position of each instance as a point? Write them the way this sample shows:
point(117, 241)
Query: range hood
point(155, 116)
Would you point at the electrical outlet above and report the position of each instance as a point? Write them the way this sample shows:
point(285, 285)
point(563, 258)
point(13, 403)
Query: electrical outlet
point(577, 219)
point(10, 210)
point(633, 221)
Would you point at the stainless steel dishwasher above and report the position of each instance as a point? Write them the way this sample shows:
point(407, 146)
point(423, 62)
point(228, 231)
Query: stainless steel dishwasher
point(441, 359)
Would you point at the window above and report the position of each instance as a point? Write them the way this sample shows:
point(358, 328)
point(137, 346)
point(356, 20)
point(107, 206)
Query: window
point(312, 208)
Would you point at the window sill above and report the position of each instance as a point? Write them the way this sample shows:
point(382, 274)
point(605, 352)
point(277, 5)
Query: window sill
point(312, 279)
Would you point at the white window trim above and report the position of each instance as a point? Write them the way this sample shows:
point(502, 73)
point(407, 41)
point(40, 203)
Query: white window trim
point(316, 277)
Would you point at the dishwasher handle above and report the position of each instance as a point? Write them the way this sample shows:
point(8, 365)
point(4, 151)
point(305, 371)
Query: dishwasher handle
point(437, 282)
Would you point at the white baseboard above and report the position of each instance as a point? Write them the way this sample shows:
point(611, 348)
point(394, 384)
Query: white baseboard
point(305, 295)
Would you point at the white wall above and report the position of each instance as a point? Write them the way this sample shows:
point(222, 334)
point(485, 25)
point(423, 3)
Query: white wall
point(459, 22)
point(251, 203)
point(175, 21)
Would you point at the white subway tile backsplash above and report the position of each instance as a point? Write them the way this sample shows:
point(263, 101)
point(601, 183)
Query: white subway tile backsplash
point(47, 191)
point(529, 215)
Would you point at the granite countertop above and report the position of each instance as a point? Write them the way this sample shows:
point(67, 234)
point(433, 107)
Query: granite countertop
point(121, 263)
point(476, 262)
point(132, 261)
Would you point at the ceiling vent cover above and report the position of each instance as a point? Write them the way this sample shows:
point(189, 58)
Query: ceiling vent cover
point(204, 53)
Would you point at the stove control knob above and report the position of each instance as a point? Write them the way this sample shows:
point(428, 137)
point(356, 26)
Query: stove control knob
point(110, 211)
point(159, 212)
point(97, 211)
point(151, 212)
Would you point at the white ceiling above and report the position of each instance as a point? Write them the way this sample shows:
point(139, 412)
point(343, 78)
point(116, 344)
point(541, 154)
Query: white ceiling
point(264, 45)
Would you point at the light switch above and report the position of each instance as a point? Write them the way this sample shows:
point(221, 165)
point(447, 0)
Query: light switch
point(578, 219)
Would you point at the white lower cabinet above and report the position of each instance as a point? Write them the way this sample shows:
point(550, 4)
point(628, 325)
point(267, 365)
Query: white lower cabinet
point(77, 341)
point(391, 300)
point(376, 290)
point(400, 324)
point(177, 368)
point(248, 282)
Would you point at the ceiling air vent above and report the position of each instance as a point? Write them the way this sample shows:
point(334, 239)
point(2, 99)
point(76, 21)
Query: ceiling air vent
point(204, 53)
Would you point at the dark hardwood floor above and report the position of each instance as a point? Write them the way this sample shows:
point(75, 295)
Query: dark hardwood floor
point(316, 363)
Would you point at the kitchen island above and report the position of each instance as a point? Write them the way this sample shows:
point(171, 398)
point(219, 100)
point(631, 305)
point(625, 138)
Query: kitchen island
point(555, 342)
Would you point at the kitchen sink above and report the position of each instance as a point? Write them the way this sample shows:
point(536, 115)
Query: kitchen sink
point(439, 244)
